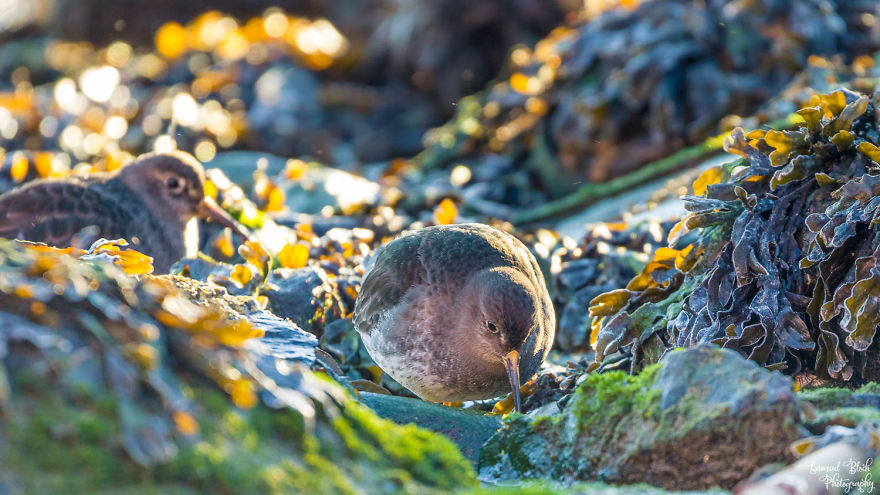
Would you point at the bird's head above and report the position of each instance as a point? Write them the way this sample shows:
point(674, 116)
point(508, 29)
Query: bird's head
point(503, 306)
point(172, 186)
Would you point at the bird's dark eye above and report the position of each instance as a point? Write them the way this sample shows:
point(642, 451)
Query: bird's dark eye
point(175, 185)
point(491, 326)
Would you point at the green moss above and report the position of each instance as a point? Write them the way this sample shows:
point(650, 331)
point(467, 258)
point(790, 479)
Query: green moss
point(869, 388)
point(847, 416)
point(836, 405)
point(53, 448)
point(874, 472)
point(540, 421)
point(614, 394)
point(826, 397)
point(57, 446)
point(526, 489)
point(423, 454)
point(251, 452)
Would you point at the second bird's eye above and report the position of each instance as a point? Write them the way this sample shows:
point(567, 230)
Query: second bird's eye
point(492, 327)
point(175, 184)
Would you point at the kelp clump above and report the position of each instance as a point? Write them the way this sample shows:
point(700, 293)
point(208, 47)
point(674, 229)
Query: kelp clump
point(632, 86)
point(785, 270)
point(156, 382)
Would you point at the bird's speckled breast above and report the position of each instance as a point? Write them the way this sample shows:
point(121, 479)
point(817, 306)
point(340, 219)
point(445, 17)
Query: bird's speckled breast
point(398, 344)
point(404, 345)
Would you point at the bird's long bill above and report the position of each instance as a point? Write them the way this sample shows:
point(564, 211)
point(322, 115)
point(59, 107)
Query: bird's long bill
point(210, 210)
point(511, 362)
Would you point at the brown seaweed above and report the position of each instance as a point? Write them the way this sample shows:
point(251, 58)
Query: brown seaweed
point(630, 87)
point(789, 273)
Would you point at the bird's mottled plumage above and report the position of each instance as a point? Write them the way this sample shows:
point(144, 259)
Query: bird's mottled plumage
point(441, 307)
point(147, 202)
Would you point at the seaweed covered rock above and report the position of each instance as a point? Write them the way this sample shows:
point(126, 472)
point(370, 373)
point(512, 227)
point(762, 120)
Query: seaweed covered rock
point(702, 417)
point(630, 87)
point(147, 383)
point(785, 268)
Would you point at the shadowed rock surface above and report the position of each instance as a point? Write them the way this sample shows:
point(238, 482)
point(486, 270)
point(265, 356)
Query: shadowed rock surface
point(468, 429)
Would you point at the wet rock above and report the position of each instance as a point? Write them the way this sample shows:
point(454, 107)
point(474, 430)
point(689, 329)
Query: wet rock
point(468, 429)
point(204, 269)
point(238, 166)
point(321, 186)
point(573, 333)
point(578, 273)
point(285, 105)
point(341, 339)
point(607, 257)
point(546, 392)
point(304, 295)
point(702, 417)
point(282, 339)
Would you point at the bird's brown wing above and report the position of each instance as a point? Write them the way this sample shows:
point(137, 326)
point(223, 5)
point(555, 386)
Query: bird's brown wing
point(452, 253)
point(54, 212)
point(397, 268)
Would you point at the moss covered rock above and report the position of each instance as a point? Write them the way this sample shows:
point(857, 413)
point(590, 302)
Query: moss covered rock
point(467, 428)
point(842, 406)
point(702, 417)
point(72, 444)
point(544, 488)
point(111, 382)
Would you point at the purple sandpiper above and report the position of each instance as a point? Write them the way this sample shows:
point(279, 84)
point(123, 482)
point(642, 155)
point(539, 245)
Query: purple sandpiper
point(148, 202)
point(456, 312)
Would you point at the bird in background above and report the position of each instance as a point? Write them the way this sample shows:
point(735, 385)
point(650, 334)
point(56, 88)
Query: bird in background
point(151, 202)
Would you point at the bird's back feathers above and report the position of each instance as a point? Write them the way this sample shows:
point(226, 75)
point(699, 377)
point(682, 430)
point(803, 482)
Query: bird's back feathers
point(55, 211)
